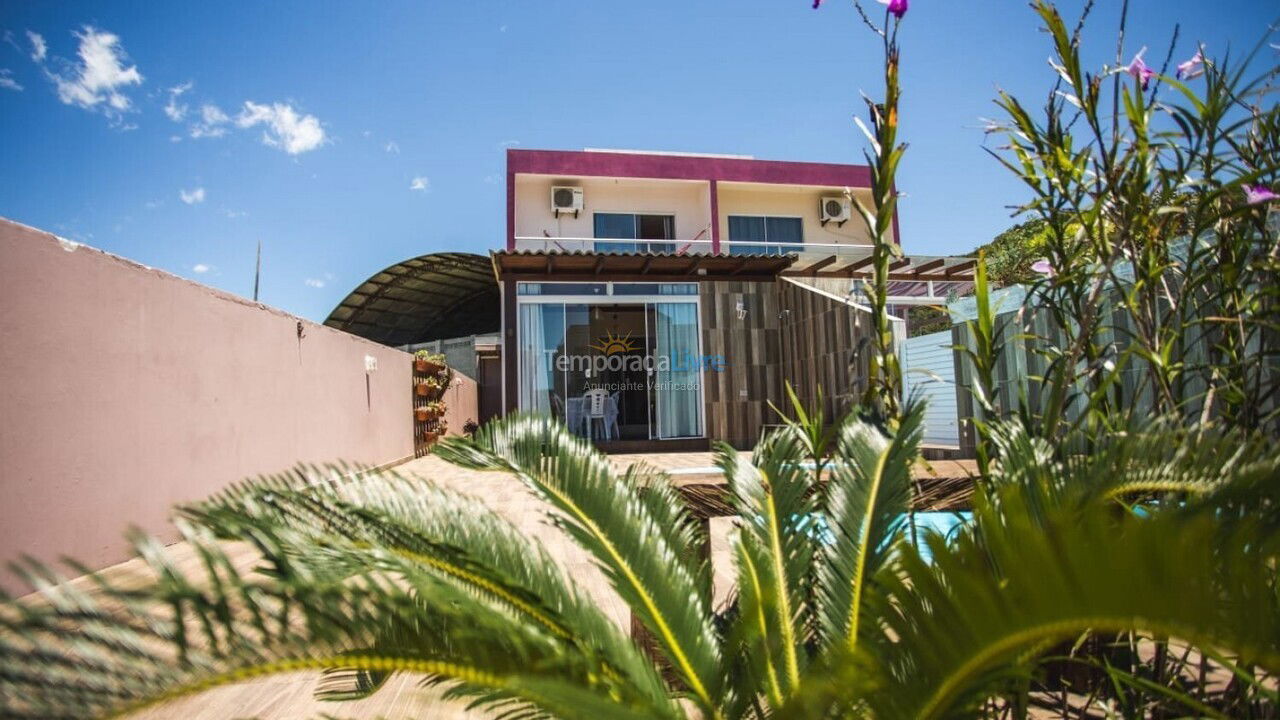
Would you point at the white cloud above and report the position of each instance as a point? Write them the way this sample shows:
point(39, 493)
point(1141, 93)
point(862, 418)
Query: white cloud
point(508, 143)
point(212, 122)
point(200, 268)
point(286, 128)
point(502, 28)
point(313, 282)
point(7, 82)
point(234, 214)
point(491, 179)
point(392, 147)
point(153, 204)
point(38, 47)
point(175, 110)
point(421, 184)
point(192, 197)
point(97, 81)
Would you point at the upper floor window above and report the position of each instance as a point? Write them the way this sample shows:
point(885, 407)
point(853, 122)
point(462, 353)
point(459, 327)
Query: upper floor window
point(621, 230)
point(776, 235)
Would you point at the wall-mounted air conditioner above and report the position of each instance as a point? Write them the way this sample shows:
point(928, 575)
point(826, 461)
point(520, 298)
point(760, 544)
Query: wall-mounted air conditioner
point(836, 209)
point(566, 199)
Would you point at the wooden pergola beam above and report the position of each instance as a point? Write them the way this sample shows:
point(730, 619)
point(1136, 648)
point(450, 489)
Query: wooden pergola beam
point(854, 266)
point(926, 267)
point(815, 267)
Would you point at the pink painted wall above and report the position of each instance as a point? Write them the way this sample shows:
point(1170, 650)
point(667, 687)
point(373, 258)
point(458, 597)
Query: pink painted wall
point(462, 403)
point(124, 390)
point(687, 200)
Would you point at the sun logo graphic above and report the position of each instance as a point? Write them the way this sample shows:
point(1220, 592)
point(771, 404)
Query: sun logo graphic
point(612, 344)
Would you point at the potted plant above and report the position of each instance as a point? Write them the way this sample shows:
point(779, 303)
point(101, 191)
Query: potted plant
point(426, 362)
point(430, 387)
point(469, 428)
point(430, 411)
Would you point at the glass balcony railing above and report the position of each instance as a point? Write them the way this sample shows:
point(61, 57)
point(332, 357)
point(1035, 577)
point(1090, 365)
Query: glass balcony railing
point(687, 247)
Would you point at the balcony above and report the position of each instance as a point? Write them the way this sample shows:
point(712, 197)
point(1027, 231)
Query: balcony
point(700, 246)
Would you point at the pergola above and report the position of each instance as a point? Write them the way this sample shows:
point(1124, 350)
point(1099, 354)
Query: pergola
point(913, 279)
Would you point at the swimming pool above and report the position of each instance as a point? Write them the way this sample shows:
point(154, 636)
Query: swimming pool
point(945, 524)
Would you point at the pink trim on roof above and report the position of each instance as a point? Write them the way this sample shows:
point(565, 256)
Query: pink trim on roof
point(685, 167)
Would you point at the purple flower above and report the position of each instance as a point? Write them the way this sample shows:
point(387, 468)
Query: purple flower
point(1191, 68)
point(816, 3)
point(1043, 267)
point(1138, 69)
point(1258, 194)
point(897, 7)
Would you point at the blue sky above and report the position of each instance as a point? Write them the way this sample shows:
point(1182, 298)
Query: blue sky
point(349, 137)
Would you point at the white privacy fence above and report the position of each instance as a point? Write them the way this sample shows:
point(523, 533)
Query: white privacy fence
point(928, 365)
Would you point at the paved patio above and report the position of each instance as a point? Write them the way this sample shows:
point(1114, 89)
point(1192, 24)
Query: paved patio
point(290, 696)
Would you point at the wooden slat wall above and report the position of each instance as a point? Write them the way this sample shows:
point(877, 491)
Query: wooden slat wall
point(825, 343)
point(737, 399)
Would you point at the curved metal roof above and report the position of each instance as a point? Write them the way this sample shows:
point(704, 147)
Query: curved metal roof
point(431, 297)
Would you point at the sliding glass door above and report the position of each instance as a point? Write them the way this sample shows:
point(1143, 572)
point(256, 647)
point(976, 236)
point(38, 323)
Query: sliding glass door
point(541, 329)
point(678, 383)
point(776, 235)
point(612, 227)
point(622, 367)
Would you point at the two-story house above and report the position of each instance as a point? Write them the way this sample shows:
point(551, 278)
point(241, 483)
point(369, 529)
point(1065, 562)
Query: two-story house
point(659, 300)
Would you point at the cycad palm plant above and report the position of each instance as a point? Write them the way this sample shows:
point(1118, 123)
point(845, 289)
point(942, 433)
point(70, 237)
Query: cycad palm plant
point(833, 612)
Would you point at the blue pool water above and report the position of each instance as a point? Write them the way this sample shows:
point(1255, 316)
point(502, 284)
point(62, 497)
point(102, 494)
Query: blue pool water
point(945, 524)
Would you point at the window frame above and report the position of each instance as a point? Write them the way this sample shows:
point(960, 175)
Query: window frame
point(768, 244)
point(635, 221)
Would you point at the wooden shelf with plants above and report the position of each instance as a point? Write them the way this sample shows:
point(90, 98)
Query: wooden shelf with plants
point(431, 378)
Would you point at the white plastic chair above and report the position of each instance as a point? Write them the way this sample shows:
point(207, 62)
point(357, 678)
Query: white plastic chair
point(595, 404)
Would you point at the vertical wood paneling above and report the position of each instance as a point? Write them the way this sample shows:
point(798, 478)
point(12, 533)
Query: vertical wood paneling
point(737, 399)
point(824, 345)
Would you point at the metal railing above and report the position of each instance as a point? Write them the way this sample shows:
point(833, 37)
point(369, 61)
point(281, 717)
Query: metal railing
point(685, 247)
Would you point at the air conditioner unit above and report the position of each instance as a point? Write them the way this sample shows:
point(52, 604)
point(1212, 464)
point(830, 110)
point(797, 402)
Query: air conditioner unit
point(566, 199)
point(834, 208)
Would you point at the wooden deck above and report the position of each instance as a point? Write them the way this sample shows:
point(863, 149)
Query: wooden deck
point(290, 696)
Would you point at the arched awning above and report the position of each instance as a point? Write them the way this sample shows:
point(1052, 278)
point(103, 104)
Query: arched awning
point(431, 297)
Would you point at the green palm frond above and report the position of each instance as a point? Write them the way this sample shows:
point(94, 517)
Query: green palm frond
point(642, 558)
point(1015, 584)
point(868, 501)
point(773, 547)
point(364, 577)
point(1152, 459)
point(135, 647)
point(420, 528)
